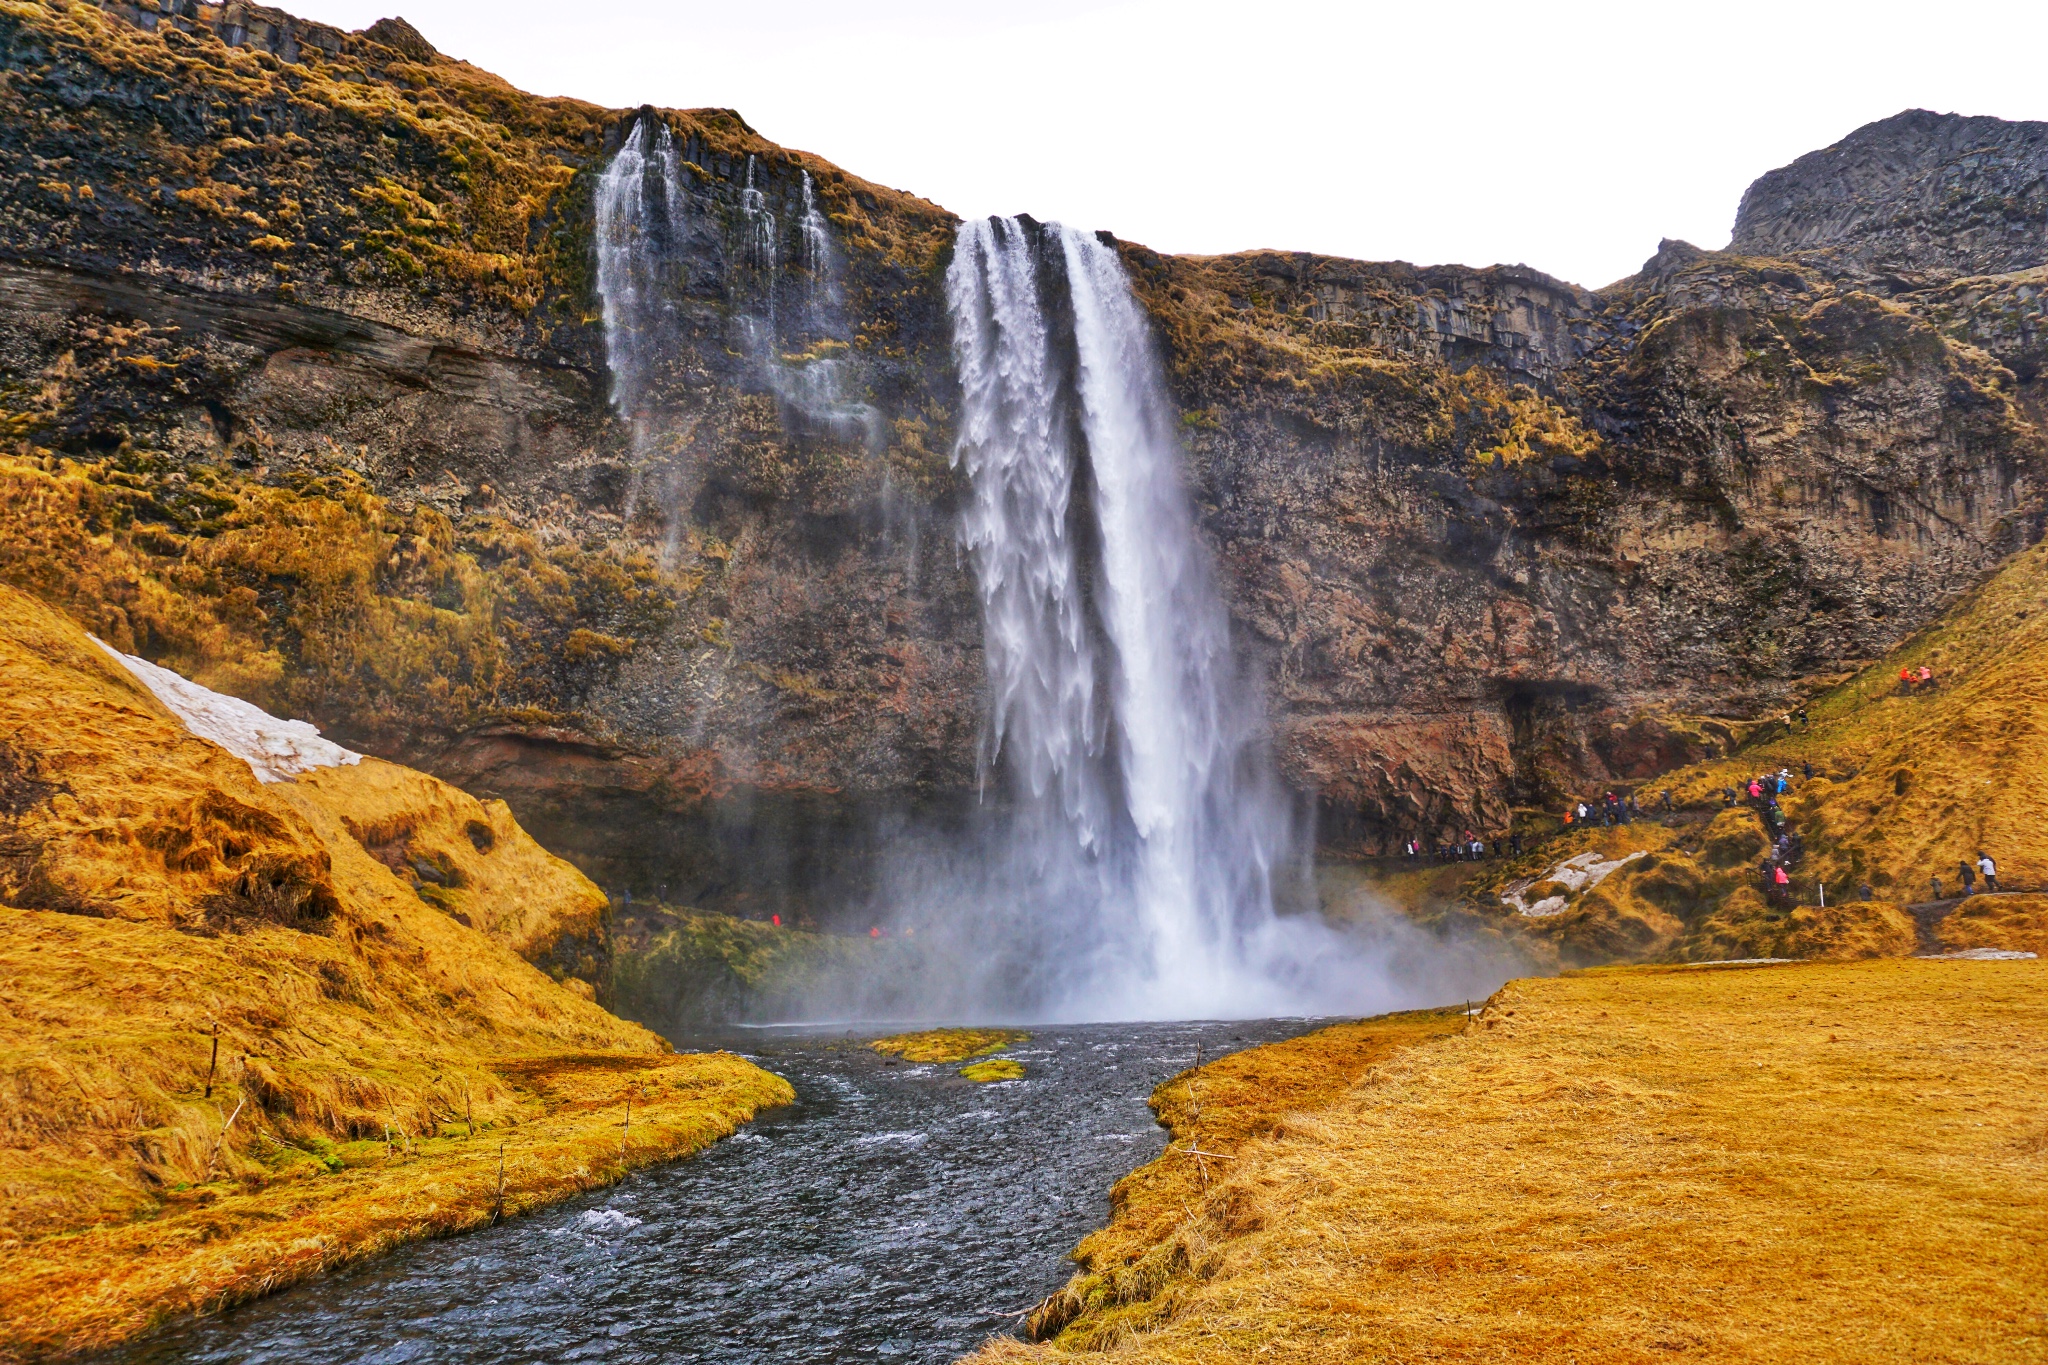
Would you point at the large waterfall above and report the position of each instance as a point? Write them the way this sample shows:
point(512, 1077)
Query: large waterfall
point(1132, 841)
point(1142, 825)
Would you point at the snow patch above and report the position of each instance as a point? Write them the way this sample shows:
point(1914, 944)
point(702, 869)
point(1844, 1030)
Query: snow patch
point(1580, 872)
point(275, 750)
point(1979, 955)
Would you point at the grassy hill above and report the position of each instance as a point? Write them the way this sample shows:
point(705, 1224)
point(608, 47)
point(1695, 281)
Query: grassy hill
point(1905, 786)
point(253, 1030)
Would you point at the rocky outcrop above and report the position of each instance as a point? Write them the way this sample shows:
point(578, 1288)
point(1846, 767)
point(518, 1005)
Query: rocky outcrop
point(308, 391)
point(1918, 195)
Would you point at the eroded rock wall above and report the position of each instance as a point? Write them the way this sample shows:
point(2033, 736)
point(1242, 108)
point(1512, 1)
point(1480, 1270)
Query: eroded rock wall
point(306, 391)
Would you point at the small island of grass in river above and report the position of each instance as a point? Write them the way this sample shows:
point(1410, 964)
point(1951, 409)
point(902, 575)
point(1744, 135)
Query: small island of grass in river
point(949, 1044)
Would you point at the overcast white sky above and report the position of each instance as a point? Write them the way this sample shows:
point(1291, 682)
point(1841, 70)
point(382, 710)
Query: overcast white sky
point(1570, 137)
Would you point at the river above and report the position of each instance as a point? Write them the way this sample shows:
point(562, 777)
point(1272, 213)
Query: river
point(894, 1213)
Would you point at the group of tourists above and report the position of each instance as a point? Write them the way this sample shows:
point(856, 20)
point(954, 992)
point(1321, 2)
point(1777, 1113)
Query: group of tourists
point(1913, 679)
point(1967, 874)
point(1470, 849)
point(1611, 809)
point(1761, 793)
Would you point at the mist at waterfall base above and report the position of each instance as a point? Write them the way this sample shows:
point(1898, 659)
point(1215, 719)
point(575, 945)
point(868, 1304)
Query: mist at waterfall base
point(1132, 853)
point(1138, 856)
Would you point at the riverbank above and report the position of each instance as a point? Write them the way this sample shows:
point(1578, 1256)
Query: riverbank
point(1821, 1161)
point(268, 1009)
point(320, 1206)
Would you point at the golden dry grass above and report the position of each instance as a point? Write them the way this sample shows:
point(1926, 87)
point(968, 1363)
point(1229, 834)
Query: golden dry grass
point(152, 891)
point(994, 1069)
point(948, 1044)
point(1814, 1162)
point(1212, 1112)
point(2013, 923)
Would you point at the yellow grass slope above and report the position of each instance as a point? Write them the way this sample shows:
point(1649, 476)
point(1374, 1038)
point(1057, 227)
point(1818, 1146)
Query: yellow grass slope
point(151, 892)
point(1908, 785)
point(1814, 1162)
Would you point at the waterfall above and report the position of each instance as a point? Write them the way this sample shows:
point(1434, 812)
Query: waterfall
point(640, 213)
point(818, 254)
point(1144, 822)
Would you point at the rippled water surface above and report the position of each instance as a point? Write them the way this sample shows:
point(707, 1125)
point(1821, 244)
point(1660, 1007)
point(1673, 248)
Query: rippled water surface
point(893, 1213)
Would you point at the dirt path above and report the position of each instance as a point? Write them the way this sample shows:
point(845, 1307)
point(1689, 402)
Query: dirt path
point(1928, 915)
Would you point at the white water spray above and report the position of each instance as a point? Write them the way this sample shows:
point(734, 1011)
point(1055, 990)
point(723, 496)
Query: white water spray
point(1145, 823)
point(640, 211)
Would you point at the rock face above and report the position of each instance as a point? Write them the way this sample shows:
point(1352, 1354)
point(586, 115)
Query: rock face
point(1921, 193)
point(306, 380)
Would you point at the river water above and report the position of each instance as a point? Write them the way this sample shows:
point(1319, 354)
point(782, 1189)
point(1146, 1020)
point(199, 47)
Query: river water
point(893, 1213)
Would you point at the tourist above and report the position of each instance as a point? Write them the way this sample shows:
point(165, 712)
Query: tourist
point(1934, 888)
point(1906, 679)
point(1803, 725)
point(1926, 675)
point(1989, 869)
point(1807, 769)
point(1968, 876)
point(1515, 843)
point(1667, 800)
point(1864, 892)
point(1781, 883)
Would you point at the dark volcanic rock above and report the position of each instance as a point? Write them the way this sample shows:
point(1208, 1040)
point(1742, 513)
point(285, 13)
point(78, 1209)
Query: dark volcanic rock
point(1921, 193)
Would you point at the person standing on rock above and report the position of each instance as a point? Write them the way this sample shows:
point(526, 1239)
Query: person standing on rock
point(1989, 869)
point(1968, 875)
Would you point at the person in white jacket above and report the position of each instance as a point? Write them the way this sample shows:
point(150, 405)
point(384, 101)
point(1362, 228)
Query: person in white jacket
point(1989, 869)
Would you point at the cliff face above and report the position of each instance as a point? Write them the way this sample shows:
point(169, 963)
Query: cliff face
point(1917, 195)
point(308, 397)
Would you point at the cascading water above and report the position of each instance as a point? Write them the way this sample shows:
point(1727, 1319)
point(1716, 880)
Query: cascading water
point(1143, 823)
point(820, 258)
point(639, 210)
point(1134, 835)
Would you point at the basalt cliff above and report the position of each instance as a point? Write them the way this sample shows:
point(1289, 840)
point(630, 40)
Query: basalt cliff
point(305, 392)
